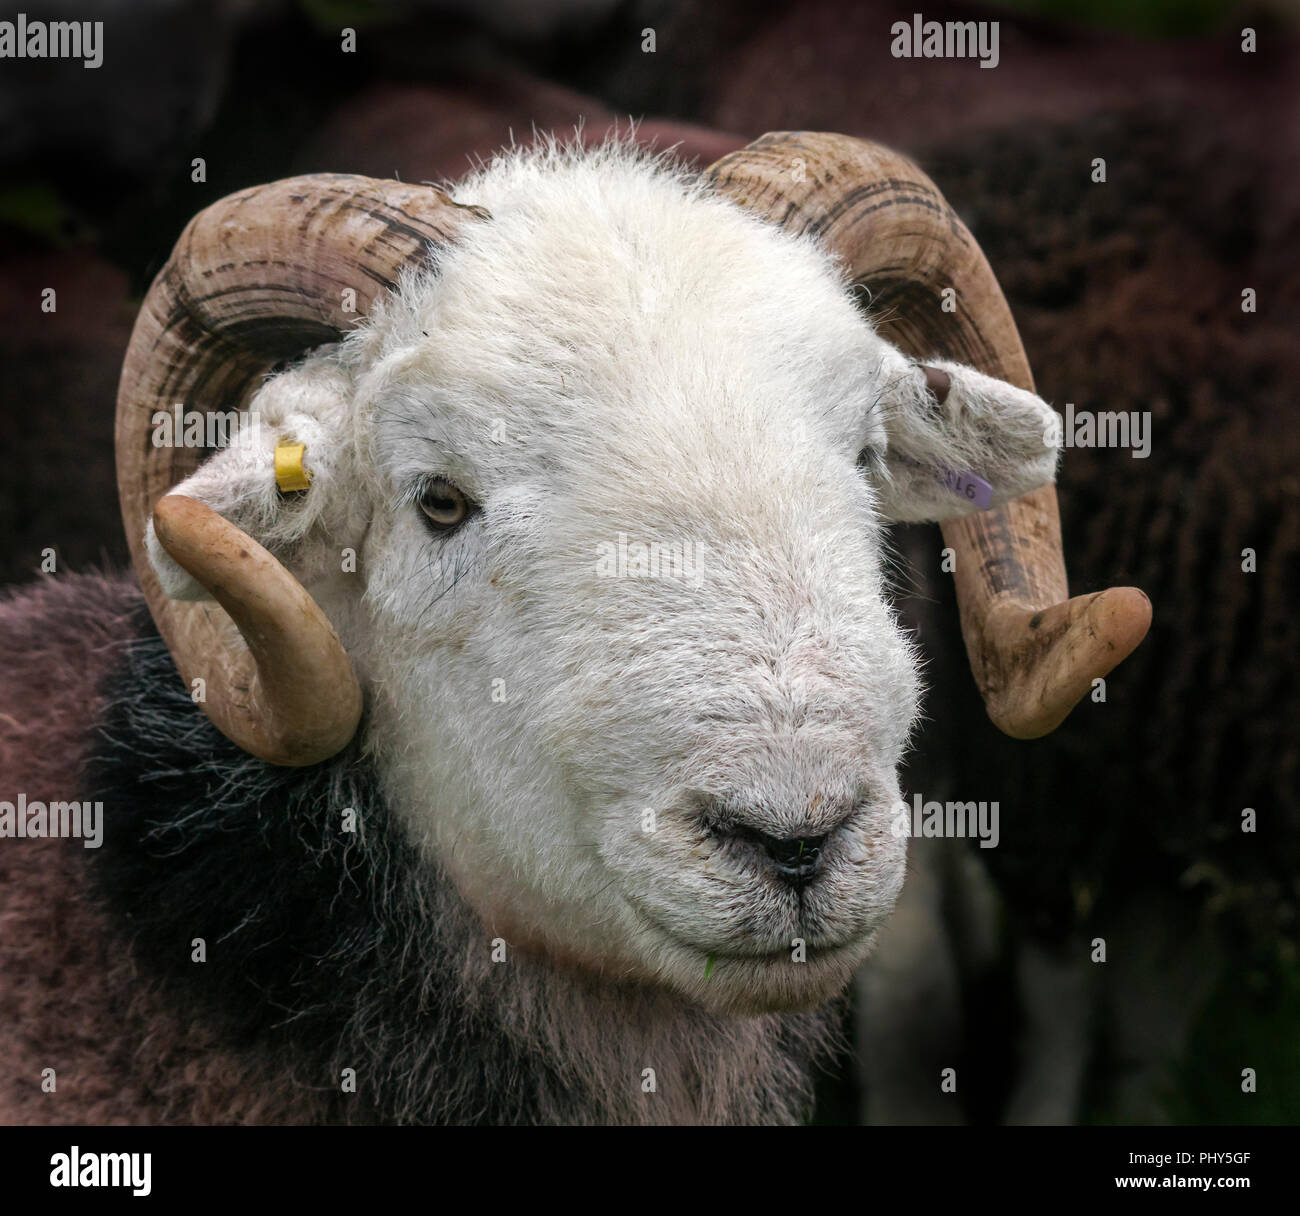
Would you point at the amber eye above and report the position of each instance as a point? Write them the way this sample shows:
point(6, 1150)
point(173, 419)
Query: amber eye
point(445, 506)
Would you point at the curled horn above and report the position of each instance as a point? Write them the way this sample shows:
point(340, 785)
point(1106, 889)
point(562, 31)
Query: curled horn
point(258, 277)
point(1034, 652)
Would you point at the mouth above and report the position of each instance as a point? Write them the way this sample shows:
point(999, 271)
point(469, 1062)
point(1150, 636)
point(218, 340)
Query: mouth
point(758, 979)
point(824, 954)
point(814, 945)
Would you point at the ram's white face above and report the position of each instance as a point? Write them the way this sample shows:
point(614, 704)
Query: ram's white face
point(618, 602)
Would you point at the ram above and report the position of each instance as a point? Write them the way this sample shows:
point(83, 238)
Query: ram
point(451, 816)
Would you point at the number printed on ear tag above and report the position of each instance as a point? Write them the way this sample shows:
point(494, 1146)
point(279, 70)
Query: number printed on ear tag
point(968, 486)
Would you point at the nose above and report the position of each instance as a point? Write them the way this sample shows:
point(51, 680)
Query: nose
point(795, 855)
point(796, 859)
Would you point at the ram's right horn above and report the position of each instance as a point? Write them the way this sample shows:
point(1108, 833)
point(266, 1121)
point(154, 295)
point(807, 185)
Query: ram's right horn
point(257, 277)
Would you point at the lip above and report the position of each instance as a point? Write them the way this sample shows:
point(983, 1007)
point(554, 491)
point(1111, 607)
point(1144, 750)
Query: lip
point(822, 952)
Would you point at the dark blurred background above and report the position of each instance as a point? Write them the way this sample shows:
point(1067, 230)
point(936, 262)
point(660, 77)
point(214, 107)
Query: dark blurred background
point(1126, 824)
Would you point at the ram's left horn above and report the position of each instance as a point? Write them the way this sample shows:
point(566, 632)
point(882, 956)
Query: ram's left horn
point(1034, 652)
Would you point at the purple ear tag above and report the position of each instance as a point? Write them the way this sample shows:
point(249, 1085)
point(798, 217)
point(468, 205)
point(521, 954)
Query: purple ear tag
point(968, 486)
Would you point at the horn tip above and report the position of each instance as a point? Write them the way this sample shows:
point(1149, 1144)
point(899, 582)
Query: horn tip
point(1052, 657)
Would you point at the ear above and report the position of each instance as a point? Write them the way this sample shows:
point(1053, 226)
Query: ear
point(311, 405)
point(951, 431)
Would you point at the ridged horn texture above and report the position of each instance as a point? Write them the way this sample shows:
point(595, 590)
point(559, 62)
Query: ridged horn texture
point(256, 278)
point(1034, 652)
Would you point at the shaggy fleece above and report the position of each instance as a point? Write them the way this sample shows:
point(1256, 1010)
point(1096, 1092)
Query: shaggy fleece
point(72, 996)
point(331, 955)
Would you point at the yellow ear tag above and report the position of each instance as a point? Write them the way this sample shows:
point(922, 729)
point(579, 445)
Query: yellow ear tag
point(289, 471)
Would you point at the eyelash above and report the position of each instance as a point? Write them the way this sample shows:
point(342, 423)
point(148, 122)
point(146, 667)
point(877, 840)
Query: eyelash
point(871, 460)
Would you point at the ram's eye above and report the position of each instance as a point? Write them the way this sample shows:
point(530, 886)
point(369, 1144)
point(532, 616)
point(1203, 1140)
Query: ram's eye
point(445, 506)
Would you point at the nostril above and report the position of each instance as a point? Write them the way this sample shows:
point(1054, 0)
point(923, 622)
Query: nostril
point(794, 857)
point(793, 850)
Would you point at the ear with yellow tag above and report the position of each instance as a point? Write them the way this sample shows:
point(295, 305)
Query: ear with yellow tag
point(290, 472)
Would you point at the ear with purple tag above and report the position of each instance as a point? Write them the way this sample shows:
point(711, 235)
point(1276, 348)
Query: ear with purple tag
point(964, 484)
